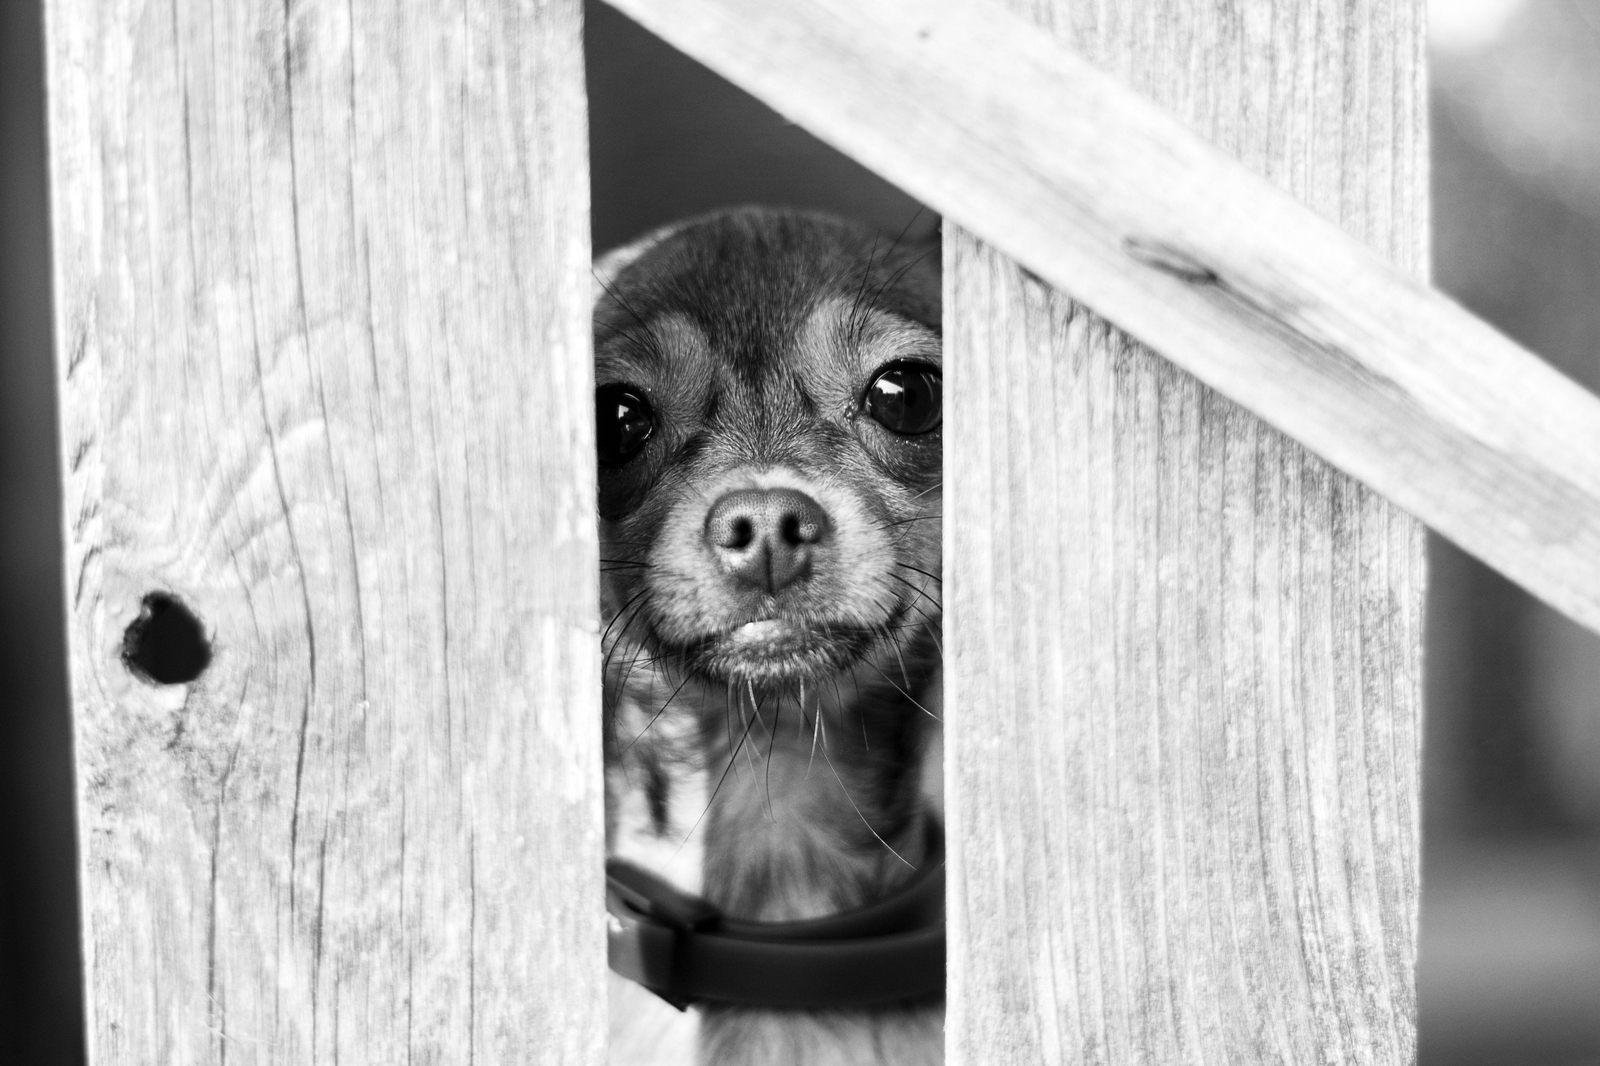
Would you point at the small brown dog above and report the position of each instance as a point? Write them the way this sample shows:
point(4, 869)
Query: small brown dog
point(768, 404)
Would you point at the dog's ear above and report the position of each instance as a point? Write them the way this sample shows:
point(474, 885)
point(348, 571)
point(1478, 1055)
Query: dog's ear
point(608, 266)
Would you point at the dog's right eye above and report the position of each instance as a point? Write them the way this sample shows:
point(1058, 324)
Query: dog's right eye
point(904, 398)
point(623, 421)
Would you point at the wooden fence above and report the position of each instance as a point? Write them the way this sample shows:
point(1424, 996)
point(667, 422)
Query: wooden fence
point(322, 285)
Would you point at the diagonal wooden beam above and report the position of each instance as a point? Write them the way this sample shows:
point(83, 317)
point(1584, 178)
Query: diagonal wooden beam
point(1104, 195)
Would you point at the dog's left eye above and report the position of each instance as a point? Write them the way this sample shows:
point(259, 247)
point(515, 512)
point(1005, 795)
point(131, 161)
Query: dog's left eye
point(623, 421)
point(905, 398)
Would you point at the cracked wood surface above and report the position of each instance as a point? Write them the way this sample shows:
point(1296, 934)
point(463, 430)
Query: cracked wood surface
point(322, 290)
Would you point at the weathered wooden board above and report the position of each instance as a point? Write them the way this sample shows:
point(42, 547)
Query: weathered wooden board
point(322, 278)
point(1107, 196)
point(1184, 695)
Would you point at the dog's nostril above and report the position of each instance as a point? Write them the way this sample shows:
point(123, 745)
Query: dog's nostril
point(740, 535)
point(800, 528)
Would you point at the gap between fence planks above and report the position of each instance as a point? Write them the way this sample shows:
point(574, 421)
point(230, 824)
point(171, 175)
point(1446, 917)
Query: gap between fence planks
point(323, 324)
point(1101, 193)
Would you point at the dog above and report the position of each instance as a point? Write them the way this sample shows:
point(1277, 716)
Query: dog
point(769, 439)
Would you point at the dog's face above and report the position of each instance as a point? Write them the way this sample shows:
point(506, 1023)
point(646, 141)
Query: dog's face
point(768, 416)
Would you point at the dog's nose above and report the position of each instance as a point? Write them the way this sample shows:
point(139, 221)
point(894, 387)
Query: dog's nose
point(764, 537)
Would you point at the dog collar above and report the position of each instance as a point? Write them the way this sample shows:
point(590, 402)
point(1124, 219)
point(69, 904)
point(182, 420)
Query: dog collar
point(683, 949)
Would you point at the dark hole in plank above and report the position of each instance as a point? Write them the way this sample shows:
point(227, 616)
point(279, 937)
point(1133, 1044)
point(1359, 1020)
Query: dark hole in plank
point(165, 645)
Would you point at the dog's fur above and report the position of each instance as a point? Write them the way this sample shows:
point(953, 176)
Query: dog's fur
point(788, 770)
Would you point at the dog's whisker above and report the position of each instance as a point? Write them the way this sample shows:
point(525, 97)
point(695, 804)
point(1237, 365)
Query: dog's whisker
point(911, 605)
point(854, 328)
point(913, 518)
point(861, 709)
point(648, 341)
point(733, 757)
point(919, 590)
point(627, 672)
point(903, 692)
point(754, 717)
point(904, 676)
point(827, 759)
point(857, 320)
point(916, 630)
point(777, 713)
point(636, 598)
point(929, 625)
point(662, 710)
point(917, 569)
point(755, 704)
point(895, 278)
point(816, 728)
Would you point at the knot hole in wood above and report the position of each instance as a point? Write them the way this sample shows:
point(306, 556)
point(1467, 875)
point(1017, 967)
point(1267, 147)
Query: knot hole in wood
point(166, 644)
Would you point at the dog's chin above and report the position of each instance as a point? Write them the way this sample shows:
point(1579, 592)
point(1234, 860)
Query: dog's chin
point(778, 653)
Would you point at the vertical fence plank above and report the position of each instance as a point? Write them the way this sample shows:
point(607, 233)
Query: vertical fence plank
point(322, 319)
point(1183, 692)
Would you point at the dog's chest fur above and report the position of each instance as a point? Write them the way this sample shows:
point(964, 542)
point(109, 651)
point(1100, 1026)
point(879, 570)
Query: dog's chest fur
point(771, 704)
point(782, 841)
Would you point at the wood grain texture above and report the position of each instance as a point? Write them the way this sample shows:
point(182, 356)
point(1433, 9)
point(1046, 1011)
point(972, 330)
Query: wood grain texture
point(1107, 196)
point(1184, 690)
point(322, 283)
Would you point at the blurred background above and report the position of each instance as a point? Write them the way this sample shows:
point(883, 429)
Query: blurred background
point(1510, 964)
